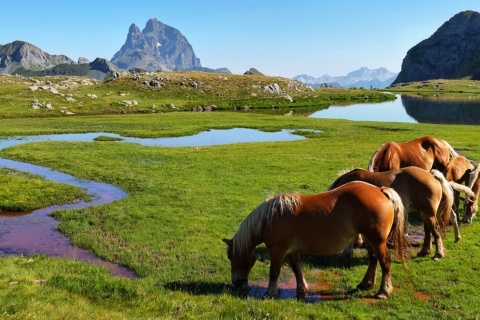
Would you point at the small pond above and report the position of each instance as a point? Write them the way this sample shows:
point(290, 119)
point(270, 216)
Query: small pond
point(441, 109)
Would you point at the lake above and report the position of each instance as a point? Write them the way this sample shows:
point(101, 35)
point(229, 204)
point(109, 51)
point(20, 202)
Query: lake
point(441, 109)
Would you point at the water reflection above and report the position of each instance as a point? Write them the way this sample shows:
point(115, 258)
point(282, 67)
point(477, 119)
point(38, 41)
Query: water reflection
point(441, 109)
point(438, 109)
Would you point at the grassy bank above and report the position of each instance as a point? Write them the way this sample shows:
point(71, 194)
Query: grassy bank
point(151, 93)
point(181, 201)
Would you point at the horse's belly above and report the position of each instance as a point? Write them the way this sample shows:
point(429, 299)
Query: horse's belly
point(322, 245)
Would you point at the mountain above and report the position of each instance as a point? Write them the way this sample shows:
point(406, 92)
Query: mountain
point(20, 54)
point(363, 77)
point(452, 52)
point(157, 47)
point(100, 69)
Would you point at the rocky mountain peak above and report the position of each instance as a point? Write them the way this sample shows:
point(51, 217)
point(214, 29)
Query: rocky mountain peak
point(20, 54)
point(157, 47)
point(452, 52)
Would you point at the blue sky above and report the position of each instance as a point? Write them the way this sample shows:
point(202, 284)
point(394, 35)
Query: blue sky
point(279, 38)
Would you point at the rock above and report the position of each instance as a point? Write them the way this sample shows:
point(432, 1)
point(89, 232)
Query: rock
point(452, 52)
point(157, 47)
point(83, 60)
point(253, 71)
point(272, 88)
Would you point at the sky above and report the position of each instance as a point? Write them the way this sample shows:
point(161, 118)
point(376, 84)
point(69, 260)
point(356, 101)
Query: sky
point(278, 38)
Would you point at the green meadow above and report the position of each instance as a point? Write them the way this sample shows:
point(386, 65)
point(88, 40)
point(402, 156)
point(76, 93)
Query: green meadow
point(183, 200)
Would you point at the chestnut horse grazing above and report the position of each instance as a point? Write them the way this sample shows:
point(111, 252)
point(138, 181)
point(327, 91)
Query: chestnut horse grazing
point(426, 191)
point(458, 170)
point(425, 152)
point(471, 202)
point(322, 224)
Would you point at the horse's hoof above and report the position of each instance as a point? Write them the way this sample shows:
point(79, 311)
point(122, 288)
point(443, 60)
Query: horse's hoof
point(457, 239)
point(423, 253)
point(381, 296)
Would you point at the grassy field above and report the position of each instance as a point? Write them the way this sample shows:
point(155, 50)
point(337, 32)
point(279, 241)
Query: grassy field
point(182, 201)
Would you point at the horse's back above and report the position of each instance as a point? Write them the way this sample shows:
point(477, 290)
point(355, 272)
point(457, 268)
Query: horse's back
point(326, 223)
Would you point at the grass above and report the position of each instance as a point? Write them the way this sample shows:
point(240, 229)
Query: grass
point(26, 192)
point(181, 92)
point(181, 201)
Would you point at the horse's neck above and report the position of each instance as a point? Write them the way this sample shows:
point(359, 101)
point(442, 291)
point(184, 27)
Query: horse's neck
point(476, 187)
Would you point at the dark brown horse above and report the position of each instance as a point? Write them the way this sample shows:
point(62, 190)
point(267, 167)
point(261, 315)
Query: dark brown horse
point(425, 152)
point(322, 224)
point(426, 191)
point(471, 202)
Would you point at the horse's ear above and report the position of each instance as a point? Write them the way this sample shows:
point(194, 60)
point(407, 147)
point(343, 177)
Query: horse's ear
point(228, 241)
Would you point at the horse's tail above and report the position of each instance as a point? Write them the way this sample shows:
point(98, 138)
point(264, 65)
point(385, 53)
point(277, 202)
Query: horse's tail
point(452, 151)
point(384, 158)
point(398, 228)
point(446, 203)
point(461, 188)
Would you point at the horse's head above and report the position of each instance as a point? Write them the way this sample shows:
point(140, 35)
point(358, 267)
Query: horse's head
point(471, 206)
point(241, 264)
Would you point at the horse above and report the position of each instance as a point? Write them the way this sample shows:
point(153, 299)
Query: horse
point(425, 152)
point(458, 170)
point(471, 202)
point(321, 224)
point(426, 191)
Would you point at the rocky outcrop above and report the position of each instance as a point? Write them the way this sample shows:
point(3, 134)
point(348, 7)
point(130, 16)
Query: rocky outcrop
point(157, 47)
point(23, 55)
point(99, 69)
point(253, 72)
point(452, 52)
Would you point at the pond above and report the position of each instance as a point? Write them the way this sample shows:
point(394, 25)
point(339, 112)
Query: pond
point(440, 109)
point(34, 232)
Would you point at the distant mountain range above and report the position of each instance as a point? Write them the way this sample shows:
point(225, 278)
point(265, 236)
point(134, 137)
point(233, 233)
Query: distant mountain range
point(363, 77)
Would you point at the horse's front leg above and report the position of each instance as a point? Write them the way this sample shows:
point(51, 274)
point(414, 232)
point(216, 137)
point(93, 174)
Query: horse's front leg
point(454, 221)
point(368, 281)
point(275, 266)
point(296, 265)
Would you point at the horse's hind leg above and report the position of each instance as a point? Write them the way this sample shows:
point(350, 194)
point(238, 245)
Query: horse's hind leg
point(385, 260)
point(431, 224)
point(427, 239)
point(368, 281)
point(295, 263)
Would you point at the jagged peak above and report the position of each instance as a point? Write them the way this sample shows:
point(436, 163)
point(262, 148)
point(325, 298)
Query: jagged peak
point(153, 25)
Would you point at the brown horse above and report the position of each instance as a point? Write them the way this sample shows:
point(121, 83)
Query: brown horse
point(322, 224)
point(428, 192)
point(471, 202)
point(425, 152)
point(458, 170)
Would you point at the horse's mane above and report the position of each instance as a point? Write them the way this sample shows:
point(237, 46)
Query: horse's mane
point(472, 177)
point(266, 212)
point(340, 175)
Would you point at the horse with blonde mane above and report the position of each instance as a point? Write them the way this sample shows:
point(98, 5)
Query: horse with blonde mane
point(471, 202)
point(429, 192)
point(425, 152)
point(458, 170)
point(321, 224)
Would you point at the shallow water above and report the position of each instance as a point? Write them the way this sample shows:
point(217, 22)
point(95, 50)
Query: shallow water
point(440, 109)
point(34, 232)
